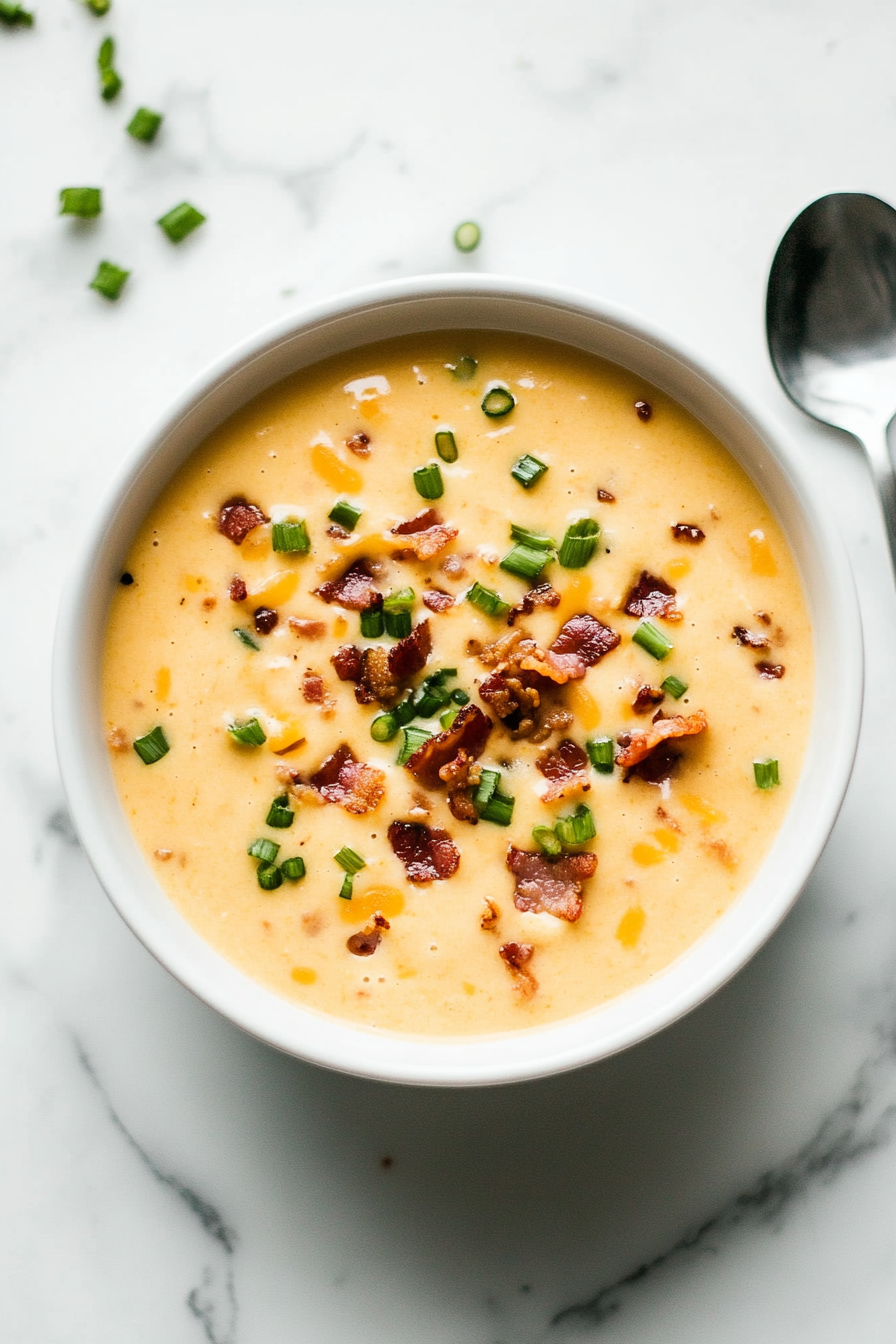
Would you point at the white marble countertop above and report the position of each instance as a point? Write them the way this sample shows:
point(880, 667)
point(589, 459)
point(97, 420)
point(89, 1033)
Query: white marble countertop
point(163, 1176)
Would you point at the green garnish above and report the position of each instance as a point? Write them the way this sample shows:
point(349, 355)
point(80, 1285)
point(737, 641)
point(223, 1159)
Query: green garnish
point(674, 686)
point(269, 876)
point(291, 537)
point(486, 788)
point(546, 839)
point(498, 401)
point(428, 481)
point(98, 7)
point(765, 773)
point(280, 814)
point(487, 600)
point(250, 733)
point(526, 562)
point(372, 625)
point(345, 891)
point(467, 236)
point(447, 718)
point(460, 696)
point(245, 638)
point(350, 860)
point(84, 202)
point(144, 125)
point(180, 221)
point(266, 850)
point(498, 809)
point(405, 710)
point(14, 16)
point(345, 514)
point(109, 280)
point(464, 369)
point(110, 80)
point(601, 754)
point(152, 747)
point(293, 868)
point(577, 827)
point(653, 641)
point(527, 470)
point(402, 600)
point(579, 544)
point(433, 695)
point(397, 613)
point(413, 738)
point(446, 445)
point(383, 728)
point(540, 540)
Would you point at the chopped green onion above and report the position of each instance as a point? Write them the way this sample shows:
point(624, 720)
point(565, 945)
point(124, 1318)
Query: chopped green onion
point(345, 514)
point(245, 638)
point(498, 809)
point(449, 716)
point(109, 280)
point(372, 625)
point(350, 860)
point(467, 236)
point(180, 221)
point(383, 728)
point(526, 562)
point(442, 675)
point(653, 641)
point(269, 876)
point(539, 540)
point(579, 544)
point(446, 445)
point(280, 814)
point(345, 891)
point(430, 698)
point(291, 537)
point(675, 687)
point(144, 125)
point(487, 600)
point(460, 696)
point(266, 850)
point(99, 7)
point(486, 788)
point(546, 838)
point(405, 710)
point(527, 470)
point(85, 202)
point(428, 481)
point(498, 401)
point(397, 623)
point(15, 16)
point(465, 368)
point(403, 600)
point(293, 868)
point(601, 754)
point(577, 827)
point(766, 773)
point(413, 738)
point(152, 747)
point(110, 80)
point(250, 733)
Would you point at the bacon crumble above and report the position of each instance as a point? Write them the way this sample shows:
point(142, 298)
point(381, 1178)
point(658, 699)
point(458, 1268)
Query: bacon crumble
point(345, 780)
point(770, 671)
point(605, 497)
point(553, 888)
point(436, 600)
point(307, 629)
point(747, 638)
point(427, 852)
point(409, 655)
point(365, 943)
point(424, 535)
point(644, 410)
point(636, 747)
point(347, 662)
point(541, 596)
point(265, 619)
point(313, 687)
point(652, 596)
point(648, 698)
point(490, 915)
point(688, 532)
point(359, 443)
point(238, 590)
point(516, 957)
point(354, 589)
point(566, 769)
point(237, 517)
point(469, 732)
point(586, 637)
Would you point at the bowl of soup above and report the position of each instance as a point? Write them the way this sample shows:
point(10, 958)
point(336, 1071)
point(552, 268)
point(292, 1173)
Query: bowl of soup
point(459, 684)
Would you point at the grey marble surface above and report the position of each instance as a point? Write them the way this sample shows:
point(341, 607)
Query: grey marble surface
point(163, 1176)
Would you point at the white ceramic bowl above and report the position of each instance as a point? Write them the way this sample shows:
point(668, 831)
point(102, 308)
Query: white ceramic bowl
point(425, 304)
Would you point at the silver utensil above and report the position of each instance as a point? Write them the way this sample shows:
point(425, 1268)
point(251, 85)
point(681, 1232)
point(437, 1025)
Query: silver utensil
point(831, 324)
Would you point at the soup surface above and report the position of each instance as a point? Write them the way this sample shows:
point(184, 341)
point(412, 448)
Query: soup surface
point(550, 780)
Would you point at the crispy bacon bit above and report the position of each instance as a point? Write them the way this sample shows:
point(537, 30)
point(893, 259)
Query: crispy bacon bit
point(652, 596)
point(354, 589)
point(376, 682)
point(427, 852)
point(722, 851)
point(265, 619)
point(770, 671)
point(648, 698)
point(490, 915)
point(635, 747)
point(426, 534)
point(644, 409)
point(556, 720)
point(347, 662)
point(746, 637)
point(313, 687)
point(516, 957)
point(764, 617)
point(365, 943)
point(566, 768)
point(605, 497)
point(587, 637)
point(669, 820)
point(359, 443)
point(238, 590)
point(307, 629)
point(542, 596)
point(334, 530)
point(237, 517)
point(469, 732)
point(409, 655)
point(555, 888)
point(436, 600)
point(453, 566)
point(343, 779)
point(460, 775)
point(515, 699)
point(688, 532)
point(517, 655)
point(117, 739)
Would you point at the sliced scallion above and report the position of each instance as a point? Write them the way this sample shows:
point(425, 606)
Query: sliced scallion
point(446, 445)
point(428, 481)
point(652, 640)
point(350, 860)
point(280, 814)
point(98, 7)
point(765, 773)
point(467, 236)
point(14, 16)
point(601, 754)
point(539, 540)
point(402, 600)
point(264, 849)
point(245, 638)
point(109, 280)
point(372, 625)
point(526, 562)
point(465, 368)
point(383, 728)
point(498, 401)
point(397, 623)
point(144, 125)
point(460, 696)
point(413, 738)
point(293, 868)
point(430, 698)
point(579, 543)
point(84, 202)
point(250, 733)
point(576, 827)
point(291, 537)
point(546, 839)
point(487, 600)
point(498, 809)
point(345, 514)
point(153, 746)
point(675, 687)
point(269, 876)
point(405, 710)
point(447, 718)
point(527, 470)
point(486, 788)
point(345, 891)
point(110, 80)
point(180, 221)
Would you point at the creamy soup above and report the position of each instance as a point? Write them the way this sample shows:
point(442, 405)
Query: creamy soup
point(457, 684)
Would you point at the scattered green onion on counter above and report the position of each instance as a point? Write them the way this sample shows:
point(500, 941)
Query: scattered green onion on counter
point(467, 236)
point(110, 80)
point(180, 221)
point(109, 280)
point(144, 125)
point(83, 202)
point(14, 16)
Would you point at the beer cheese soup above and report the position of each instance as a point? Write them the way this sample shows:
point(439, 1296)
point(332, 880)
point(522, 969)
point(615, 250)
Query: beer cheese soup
point(457, 684)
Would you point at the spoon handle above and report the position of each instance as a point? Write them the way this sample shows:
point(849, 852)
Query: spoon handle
point(878, 450)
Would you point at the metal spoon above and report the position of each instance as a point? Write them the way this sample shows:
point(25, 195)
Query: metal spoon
point(831, 324)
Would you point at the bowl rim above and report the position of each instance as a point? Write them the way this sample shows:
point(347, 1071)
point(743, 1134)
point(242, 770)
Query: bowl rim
point(475, 1060)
